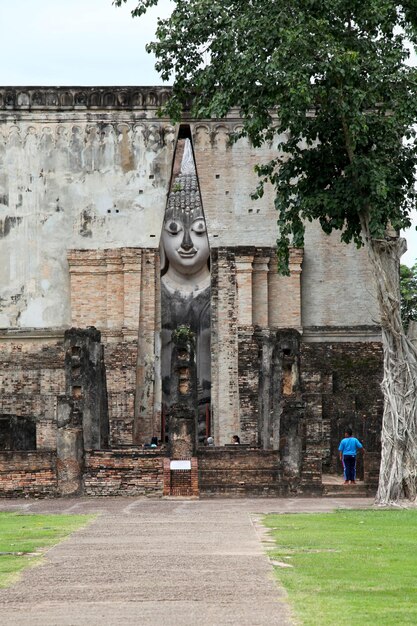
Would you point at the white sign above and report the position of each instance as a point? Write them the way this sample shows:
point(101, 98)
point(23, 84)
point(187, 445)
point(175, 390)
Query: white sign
point(180, 465)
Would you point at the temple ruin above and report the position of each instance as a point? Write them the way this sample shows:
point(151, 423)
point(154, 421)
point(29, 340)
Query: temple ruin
point(141, 311)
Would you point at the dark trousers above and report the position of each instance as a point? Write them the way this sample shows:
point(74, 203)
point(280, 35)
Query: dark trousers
point(349, 464)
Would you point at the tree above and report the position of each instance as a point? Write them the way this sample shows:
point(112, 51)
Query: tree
point(408, 290)
point(328, 80)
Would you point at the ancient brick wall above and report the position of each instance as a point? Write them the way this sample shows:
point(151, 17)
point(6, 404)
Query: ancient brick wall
point(31, 377)
point(239, 471)
point(120, 359)
point(341, 387)
point(245, 284)
point(248, 364)
point(94, 172)
point(106, 290)
point(124, 472)
point(28, 474)
point(117, 291)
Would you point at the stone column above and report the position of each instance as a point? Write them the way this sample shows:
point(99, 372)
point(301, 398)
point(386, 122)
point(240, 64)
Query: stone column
point(70, 447)
point(143, 426)
point(85, 382)
point(260, 291)
point(276, 293)
point(132, 261)
point(244, 289)
point(224, 361)
point(284, 293)
point(114, 292)
point(183, 412)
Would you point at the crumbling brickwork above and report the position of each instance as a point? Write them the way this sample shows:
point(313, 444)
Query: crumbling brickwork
point(31, 377)
point(240, 471)
point(121, 359)
point(245, 284)
point(341, 385)
point(28, 474)
point(124, 472)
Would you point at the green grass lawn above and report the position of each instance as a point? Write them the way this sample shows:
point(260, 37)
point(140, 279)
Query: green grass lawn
point(23, 536)
point(348, 567)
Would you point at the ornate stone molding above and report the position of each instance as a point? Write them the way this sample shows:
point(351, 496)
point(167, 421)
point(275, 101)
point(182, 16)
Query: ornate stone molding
point(345, 334)
point(82, 98)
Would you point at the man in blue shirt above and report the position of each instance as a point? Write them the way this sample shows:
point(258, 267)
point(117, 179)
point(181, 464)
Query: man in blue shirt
point(347, 449)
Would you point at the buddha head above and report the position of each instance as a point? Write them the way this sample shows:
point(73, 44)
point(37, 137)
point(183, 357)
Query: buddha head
point(184, 235)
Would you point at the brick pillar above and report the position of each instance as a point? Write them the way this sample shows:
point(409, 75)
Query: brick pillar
point(88, 284)
point(284, 293)
point(85, 383)
point(224, 350)
point(69, 447)
point(115, 289)
point(144, 427)
point(132, 261)
point(276, 294)
point(296, 259)
point(194, 477)
point(183, 411)
point(260, 291)
point(311, 469)
point(167, 477)
point(244, 289)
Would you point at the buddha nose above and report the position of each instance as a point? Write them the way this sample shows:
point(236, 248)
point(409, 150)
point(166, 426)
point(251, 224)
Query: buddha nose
point(186, 243)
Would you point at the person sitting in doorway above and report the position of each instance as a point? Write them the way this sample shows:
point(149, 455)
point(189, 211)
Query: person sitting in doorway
point(236, 439)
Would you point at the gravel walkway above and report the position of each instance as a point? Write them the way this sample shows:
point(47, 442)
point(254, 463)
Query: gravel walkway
point(156, 562)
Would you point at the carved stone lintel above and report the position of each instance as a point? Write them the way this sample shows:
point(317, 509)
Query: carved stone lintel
point(73, 98)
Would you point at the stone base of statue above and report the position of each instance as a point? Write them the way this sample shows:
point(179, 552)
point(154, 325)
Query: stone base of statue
point(182, 418)
point(182, 435)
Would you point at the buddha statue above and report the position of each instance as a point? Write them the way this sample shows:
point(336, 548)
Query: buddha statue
point(185, 281)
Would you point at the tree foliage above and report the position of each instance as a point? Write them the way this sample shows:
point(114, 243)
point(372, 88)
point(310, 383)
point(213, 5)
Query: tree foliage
point(408, 289)
point(336, 71)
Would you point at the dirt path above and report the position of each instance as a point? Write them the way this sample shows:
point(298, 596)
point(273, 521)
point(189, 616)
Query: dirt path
point(155, 562)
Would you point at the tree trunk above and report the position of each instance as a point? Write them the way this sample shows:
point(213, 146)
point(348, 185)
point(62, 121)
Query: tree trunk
point(398, 471)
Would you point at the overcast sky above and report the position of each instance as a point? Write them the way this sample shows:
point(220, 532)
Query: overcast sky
point(86, 42)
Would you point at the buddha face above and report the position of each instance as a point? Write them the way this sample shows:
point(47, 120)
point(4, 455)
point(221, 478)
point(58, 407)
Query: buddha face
point(185, 242)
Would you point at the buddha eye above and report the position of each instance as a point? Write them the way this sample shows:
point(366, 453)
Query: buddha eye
point(173, 227)
point(199, 227)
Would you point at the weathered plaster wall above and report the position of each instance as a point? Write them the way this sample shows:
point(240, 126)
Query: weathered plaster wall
point(84, 177)
point(89, 168)
point(337, 284)
point(227, 180)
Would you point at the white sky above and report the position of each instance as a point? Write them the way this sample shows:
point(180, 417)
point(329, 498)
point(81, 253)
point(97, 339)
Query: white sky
point(87, 42)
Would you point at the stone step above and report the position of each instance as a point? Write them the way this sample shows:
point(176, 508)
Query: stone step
point(346, 491)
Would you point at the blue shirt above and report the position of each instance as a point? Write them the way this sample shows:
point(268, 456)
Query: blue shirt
point(349, 445)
